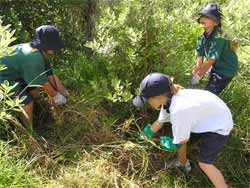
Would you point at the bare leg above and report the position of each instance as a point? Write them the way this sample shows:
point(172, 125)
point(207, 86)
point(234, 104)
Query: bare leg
point(182, 154)
point(27, 118)
point(213, 174)
point(182, 159)
point(35, 92)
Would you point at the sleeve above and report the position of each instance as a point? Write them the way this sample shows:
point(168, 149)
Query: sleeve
point(34, 72)
point(216, 48)
point(181, 126)
point(199, 50)
point(163, 116)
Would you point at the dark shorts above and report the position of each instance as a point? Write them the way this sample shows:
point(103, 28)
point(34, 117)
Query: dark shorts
point(21, 90)
point(210, 146)
point(217, 82)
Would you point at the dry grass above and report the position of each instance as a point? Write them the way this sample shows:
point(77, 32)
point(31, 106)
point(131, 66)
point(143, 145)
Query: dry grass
point(89, 147)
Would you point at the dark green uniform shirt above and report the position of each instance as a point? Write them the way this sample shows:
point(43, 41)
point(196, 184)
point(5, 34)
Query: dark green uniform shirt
point(217, 47)
point(25, 64)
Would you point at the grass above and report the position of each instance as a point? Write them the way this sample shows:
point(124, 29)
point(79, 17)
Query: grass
point(16, 173)
point(88, 144)
point(89, 147)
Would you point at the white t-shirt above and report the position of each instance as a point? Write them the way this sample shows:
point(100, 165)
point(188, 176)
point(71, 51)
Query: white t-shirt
point(197, 111)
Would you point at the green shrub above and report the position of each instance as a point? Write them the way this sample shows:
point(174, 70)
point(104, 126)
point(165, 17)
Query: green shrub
point(9, 105)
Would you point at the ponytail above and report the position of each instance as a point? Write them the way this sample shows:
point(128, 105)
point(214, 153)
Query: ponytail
point(233, 45)
point(174, 87)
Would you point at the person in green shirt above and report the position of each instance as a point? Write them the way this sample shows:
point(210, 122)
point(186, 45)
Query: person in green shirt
point(28, 67)
point(214, 52)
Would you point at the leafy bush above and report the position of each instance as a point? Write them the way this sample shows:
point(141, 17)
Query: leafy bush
point(73, 18)
point(6, 37)
point(9, 105)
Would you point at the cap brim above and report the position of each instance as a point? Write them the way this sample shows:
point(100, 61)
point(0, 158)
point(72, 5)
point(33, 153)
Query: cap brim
point(139, 101)
point(217, 19)
point(53, 46)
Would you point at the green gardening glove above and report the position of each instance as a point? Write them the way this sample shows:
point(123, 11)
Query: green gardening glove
point(167, 144)
point(147, 131)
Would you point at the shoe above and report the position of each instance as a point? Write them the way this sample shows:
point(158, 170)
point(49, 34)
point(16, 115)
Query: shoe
point(177, 164)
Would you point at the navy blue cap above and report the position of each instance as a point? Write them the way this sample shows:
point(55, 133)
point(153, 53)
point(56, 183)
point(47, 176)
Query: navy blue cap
point(212, 11)
point(47, 38)
point(154, 84)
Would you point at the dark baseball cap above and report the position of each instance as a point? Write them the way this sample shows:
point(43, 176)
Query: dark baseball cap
point(154, 84)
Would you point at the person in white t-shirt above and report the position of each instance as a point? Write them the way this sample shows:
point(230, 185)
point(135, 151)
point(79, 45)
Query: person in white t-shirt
point(194, 115)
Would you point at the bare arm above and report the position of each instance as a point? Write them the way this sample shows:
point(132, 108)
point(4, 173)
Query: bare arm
point(57, 97)
point(156, 126)
point(49, 89)
point(56, 83)
point(205, 67)
point(182, 153)
point(199, 61)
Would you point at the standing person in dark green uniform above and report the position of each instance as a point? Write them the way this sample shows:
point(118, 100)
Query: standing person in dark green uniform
point(28, 66)
point(214, 51)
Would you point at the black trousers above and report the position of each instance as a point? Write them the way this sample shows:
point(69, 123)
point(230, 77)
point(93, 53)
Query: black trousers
point(217, 82)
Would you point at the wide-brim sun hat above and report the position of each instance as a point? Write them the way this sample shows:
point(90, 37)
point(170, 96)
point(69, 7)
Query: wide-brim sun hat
point(47, 38)
point(212, 11)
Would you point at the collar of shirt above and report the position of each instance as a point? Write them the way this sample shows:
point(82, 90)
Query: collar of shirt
point(167, 106)
point(206, 35)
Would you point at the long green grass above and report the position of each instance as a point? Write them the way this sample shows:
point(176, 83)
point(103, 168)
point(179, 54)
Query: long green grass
point(16, 172)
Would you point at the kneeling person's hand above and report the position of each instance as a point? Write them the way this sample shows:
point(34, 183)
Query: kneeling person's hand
point(59, 99)
point(147, 131)
point(167, 144)
point(195, 79)
point(65, 93)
